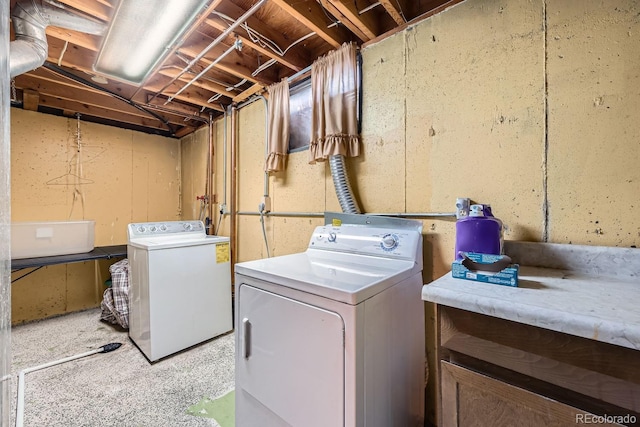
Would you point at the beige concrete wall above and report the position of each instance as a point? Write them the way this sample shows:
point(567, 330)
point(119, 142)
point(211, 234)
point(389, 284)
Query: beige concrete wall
point(527, 106)
point(594, 154)
point(126, 177)
point(194, 150)
point(301, 188)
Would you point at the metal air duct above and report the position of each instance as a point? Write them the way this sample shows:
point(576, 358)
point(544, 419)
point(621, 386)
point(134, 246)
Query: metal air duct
point(347, 201)
point(30, 19)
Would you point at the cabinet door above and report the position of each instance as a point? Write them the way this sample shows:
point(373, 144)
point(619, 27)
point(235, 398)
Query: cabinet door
point(290, 361)
point(473, 399)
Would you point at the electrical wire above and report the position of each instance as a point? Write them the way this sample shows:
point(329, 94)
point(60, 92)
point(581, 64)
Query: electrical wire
point(328, 15)
point(401, 12)
point(262, 40)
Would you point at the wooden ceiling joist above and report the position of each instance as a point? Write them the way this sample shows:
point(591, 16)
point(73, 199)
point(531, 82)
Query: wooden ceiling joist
point(313, 17)
point(390, 7)
point(361, 25)
point(247, 93)
point(90, 7)
point(87, 97)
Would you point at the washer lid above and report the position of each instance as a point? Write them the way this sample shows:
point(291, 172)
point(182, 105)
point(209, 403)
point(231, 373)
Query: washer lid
point(348, 278)
point(176, 241)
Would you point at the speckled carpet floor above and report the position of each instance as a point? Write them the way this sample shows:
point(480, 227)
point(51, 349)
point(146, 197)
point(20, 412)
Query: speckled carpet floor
point(120, 388)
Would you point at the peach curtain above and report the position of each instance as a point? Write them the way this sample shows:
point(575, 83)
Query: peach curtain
point(334, 127)
point(278, 126)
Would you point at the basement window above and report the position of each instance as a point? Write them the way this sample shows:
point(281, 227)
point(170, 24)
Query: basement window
point(300, 116)
point(300, 110)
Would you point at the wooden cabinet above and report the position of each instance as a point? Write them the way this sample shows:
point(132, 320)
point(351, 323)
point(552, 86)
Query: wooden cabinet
point(495, 372)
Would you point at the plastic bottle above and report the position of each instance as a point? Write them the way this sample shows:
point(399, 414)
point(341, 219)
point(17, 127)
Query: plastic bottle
point(480, 232)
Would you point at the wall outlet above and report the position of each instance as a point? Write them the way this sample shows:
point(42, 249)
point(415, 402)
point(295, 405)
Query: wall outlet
point(462, 207)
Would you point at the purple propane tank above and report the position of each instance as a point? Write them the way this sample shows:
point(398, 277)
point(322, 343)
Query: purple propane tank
point(480, 232)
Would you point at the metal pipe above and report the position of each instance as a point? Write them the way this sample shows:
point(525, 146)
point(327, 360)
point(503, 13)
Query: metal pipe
point(175, 112)
point(234, 162)
point(210, 163)
point(214, 43)
point(30, 19)
point(237, 45)
point(5, 221)
point(435, 215)
point(284, 214)
point(299, 74)
point(265, 183)
point(424, 215)
point(224, 164)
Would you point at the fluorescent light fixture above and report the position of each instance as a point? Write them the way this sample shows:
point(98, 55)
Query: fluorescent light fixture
point(141, 34)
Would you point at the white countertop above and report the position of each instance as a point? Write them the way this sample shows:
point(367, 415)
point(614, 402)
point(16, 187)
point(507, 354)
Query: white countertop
point(601, 308)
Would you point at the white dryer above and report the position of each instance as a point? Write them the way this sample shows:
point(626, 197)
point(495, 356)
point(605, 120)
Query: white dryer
point(180, 286)
point(333, 336)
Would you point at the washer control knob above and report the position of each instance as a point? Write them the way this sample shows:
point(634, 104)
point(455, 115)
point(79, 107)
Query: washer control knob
point(153, 228)
point(332, 237)
point(188, 226)
point(141, 229)
point(389, 242)
point(163, 227)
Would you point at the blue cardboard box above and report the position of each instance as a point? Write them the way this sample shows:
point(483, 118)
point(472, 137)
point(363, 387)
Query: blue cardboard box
point(486, 268)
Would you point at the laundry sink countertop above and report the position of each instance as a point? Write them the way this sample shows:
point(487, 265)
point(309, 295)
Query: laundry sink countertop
point(587, 291)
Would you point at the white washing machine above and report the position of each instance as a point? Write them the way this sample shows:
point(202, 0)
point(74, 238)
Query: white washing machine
point(180, 286)
point(333, 336)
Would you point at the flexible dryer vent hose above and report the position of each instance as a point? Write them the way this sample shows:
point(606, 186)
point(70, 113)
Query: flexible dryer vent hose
point(348, 203)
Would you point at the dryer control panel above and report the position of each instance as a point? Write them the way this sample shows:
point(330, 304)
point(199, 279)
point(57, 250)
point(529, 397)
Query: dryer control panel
point(148, 229)
point(363, 240)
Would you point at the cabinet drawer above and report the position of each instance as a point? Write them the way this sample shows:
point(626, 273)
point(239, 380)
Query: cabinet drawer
point(472, 399)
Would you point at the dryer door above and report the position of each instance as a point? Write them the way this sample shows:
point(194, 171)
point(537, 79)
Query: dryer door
point(289, 362)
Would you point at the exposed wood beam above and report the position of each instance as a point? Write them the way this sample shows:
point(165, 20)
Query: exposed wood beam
point(90, 98)
point(79, 59)
point(247, 93)
point(391, 9)
point(86, 41)
point(106, 3)
point(364, 26)
point(184, 131)
point(94, 111)
point(94, 8)
point(204, 84)
point(178, 110)
point(294, 59)
point(30, 99)
point(194, 96)
point(290, 60)
point(237, 64)
point(441, 6)
point(311, 15)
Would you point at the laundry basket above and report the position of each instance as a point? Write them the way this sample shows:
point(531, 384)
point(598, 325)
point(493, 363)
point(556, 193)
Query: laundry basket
point(115, 300)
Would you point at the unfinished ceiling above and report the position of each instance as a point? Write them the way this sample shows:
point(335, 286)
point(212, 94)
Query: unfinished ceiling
point(279, 39)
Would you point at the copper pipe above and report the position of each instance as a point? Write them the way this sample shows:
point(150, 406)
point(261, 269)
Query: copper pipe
point(233, 196)
point(210, 167)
